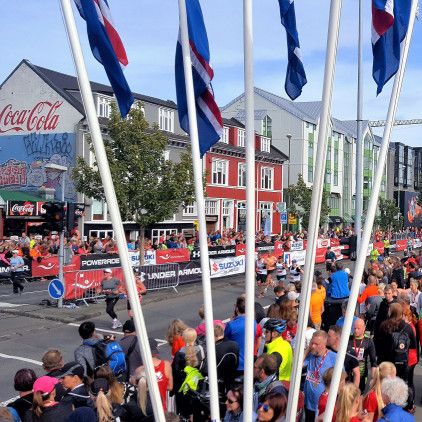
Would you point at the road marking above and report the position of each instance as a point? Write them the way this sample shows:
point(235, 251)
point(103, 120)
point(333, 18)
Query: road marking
point(11, 305)
point(35, 362)
point(26, 293)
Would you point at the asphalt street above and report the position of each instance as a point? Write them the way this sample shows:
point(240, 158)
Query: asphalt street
point(24, 339)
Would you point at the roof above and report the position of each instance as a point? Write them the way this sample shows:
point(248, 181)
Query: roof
point(233, 122)
point(11, 195)
point(308, 111)
point(63, 83)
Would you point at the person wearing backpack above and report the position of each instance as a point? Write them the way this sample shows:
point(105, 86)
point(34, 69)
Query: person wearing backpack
point(395, 339)
point(84, 354)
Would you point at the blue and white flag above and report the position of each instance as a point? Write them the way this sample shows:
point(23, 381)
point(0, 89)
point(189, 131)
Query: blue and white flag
point(210, 124)
point(107, 48)
point(295, 75)
point(390, 19)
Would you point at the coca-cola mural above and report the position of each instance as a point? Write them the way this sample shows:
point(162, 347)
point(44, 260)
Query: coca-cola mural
point(21, 208)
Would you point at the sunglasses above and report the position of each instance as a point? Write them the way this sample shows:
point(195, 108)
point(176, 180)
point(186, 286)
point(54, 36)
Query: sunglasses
point(231, 401)
point(265, 407)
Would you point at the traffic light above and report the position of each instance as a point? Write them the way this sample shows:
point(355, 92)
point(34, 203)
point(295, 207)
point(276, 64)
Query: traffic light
point(350, 252)
point(54, 217)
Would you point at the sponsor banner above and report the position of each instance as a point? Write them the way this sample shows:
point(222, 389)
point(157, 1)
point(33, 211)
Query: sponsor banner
point(334, 242)
point(48, 267)
point(263, 247)
point(417, 243)
point(99, 261)
point(159, 276)
point(240, 249)
point(297, 245)
point(148, 260)
point(299, 256)
point(323, 243)
point(189, 272)
point(5, 269)
point(85, 284)
point(278, 249)
point(150, 257)
point(40, 208)
point(21, 208)
point(337, 251)
point(411, 210)
point(227, 266)
point(401, 245)
point(320, 255)
point(171, 255)
point(215, 251)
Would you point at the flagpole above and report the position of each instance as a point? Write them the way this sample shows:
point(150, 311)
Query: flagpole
point(250, 212)
point(199, 192)
point(370, 216)
point(315, 213)
point(113, 206)
point(359, 140)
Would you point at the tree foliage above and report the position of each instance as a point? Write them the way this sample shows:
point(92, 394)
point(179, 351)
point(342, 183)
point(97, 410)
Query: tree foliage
point(389, 216)
point(300, 202)
point(148, 187)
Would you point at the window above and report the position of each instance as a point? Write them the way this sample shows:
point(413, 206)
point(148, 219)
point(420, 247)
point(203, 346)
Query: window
point(267, 126)
point(241, 174)
point(103, 107)
point(211, 207)
point(166, 119)
point(328, 177)
point(240, 137)
point(101, 234)
point(335, 156)
point(265, 144)
point(190, 209)
point(98, 210)
point(267, 178)
point(335, 178)
point(334, 202)
point(225, 137)
point(265, 217)
point(220, 172)
point(156, 234)
point(310, 173)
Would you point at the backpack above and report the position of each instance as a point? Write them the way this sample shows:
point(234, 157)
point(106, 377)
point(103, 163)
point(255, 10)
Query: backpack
point(109, 352)
point(401, 343)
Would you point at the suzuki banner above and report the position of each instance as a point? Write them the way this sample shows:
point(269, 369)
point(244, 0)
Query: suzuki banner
point(227, 266)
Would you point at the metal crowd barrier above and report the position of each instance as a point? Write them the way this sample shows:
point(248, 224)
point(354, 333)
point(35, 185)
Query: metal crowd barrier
point(85, 285)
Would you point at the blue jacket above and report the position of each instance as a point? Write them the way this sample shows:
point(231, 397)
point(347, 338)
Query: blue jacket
point(339, 286)
point(394, 413)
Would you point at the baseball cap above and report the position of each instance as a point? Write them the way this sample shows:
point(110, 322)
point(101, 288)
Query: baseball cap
point(72, 368)
point(107, 270)
point(153, 345)
point(347, 270)
point(15, 251)
point(292, 295)
point(99, 384)
point(45, 384)
point(129, 326)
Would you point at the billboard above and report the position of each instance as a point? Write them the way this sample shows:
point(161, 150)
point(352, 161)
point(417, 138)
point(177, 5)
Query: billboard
point(412, 212)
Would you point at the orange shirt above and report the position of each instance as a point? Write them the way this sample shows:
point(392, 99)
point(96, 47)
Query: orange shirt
point(316, 307)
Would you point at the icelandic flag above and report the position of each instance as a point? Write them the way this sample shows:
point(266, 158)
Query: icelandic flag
point(390, 19)
point(107, 48)
point(295, 75)
point(210, 124)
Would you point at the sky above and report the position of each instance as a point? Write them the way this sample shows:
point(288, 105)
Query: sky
point(34, 30)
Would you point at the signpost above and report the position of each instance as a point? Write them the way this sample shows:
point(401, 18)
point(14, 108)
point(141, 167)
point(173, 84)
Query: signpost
point(283, 218)
point(56, 289)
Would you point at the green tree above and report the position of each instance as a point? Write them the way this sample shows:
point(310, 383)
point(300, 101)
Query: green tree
point(148, 187)
point(300, 197)
point(389, 216)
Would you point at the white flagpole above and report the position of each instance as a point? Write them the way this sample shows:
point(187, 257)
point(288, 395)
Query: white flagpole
point(250, 210)
point(113, 206)
point(359, 140)
point(369, 220)
point(330, 62)
point(199, 192)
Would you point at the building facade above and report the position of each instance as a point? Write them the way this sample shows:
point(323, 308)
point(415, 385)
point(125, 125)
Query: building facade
point(294, 128)
point(42, 120)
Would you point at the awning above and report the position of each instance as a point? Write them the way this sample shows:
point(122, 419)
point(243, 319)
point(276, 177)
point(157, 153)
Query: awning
point(335, 219)
point(11, 195)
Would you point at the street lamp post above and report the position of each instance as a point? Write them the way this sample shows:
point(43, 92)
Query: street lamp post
point(289, 138)
point(62, 170)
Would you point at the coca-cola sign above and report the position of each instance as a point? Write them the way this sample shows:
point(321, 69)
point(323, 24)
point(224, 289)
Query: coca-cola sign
point(41, 117)
point(21, 208)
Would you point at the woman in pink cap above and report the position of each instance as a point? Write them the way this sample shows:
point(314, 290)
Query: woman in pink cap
point(45, 408)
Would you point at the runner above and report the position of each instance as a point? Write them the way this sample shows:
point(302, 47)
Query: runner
point(110, 287)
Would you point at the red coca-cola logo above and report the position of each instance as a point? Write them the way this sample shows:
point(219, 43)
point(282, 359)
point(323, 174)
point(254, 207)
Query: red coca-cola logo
point(27, 208)
point(42, 117)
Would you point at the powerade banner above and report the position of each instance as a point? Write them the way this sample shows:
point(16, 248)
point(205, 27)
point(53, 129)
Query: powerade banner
point(227, 266)
point(411, 210)
point(98, 261)
point(215, 252)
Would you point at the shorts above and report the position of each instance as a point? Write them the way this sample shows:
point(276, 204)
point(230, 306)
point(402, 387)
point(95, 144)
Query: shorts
point(270, 272)
point(281, 277)
point(261, 278)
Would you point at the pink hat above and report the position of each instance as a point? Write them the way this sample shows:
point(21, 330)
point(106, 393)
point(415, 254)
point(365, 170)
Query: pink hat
point(45, 384)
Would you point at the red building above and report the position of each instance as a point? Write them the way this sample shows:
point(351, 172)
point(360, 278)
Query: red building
point(226, 181)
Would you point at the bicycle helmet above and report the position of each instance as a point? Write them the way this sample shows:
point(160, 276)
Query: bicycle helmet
point(273, 324)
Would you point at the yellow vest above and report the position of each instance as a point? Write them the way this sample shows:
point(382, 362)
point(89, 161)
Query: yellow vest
point(282, 347)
